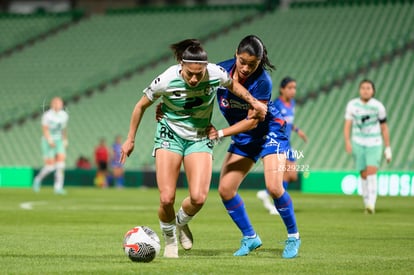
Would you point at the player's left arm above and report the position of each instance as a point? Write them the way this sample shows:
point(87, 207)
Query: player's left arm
point(386, 137)
point(300, 133)
point(382, 118)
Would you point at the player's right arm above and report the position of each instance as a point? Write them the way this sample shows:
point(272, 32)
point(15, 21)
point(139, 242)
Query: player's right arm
point(347, 135)
point(135, 120)
point(46, 134)
point(348, 127)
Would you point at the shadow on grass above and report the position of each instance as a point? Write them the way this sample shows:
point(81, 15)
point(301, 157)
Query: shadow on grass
point(377, 211)
point(262, 252)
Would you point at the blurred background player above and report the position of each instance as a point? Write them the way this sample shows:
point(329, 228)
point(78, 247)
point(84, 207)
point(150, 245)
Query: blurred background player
point(366, 117)
point(251, 140)
point(101, 162)
point(54, 142)
point(117, 168)
point(285, 103)
point(188, 90)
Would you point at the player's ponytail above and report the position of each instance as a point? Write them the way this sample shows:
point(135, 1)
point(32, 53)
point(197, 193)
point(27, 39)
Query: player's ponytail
point(254, 46)
point(189, 50)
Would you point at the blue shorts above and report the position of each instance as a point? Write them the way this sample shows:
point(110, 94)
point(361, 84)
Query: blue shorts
point(275, 142)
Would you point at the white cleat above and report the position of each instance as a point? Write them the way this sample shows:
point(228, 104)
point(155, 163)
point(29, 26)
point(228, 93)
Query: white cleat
point(171, 247)
point(185, 236)
point(370, 210)
point(267, 202)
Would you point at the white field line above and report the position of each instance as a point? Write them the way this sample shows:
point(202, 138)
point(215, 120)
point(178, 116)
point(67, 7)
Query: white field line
point(28, 205)
point(98, 207)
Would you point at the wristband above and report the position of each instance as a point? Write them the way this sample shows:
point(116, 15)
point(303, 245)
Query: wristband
point(297, 129)
point(220, 133)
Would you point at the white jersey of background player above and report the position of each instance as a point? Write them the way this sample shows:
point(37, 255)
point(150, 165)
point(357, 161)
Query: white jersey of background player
point(54, 142)
point(367, 117)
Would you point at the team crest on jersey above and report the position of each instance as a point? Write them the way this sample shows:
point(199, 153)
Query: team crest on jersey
point(208, 90)
point(224, 102)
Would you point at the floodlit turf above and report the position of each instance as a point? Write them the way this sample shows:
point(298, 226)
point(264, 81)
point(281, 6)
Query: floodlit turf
point(82, 232)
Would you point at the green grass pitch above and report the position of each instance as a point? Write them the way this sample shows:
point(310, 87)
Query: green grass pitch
point(82, 233)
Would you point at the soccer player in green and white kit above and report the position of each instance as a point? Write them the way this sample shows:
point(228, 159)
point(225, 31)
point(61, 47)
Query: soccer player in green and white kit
point(367, 118)
point(54, 142)
point(188, 90)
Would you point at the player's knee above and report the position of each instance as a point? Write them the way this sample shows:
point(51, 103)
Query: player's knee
point(225, 192)
point(198, 200)
point(276, 191)
point(166, 200)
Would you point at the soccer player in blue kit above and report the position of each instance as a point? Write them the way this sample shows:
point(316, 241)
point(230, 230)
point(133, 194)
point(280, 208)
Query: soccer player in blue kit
point(251, 140)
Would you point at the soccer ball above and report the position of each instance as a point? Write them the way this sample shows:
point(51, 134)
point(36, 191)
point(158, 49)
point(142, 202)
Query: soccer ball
point(141, 244)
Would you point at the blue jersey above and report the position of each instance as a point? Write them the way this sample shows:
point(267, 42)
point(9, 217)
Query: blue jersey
point(288, 112)
point(235, 109)
point(116, 149)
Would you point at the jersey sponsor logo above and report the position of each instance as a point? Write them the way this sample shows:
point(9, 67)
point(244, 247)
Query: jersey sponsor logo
point(192, 102)
point(233, 104)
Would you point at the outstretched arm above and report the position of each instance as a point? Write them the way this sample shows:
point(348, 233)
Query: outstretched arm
point(136, 117)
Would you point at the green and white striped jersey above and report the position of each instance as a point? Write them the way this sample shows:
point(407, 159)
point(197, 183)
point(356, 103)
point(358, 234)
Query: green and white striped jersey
point(366, 118)
point(188, 110)
point(55, 122)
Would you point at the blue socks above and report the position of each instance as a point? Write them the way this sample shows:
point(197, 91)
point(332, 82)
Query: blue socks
point(284, 206)
point(237, 211)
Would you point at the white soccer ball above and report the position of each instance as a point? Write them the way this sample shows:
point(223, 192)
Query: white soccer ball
point(141, 244)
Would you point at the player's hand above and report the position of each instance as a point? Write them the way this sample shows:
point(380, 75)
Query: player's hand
point(65, 143)
point(212, 132)
point(348, 147)
point(51, 142)
point(388, 154)
point(260, 111)
point(302, 135)
point(158, 112)
point(126, 150)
